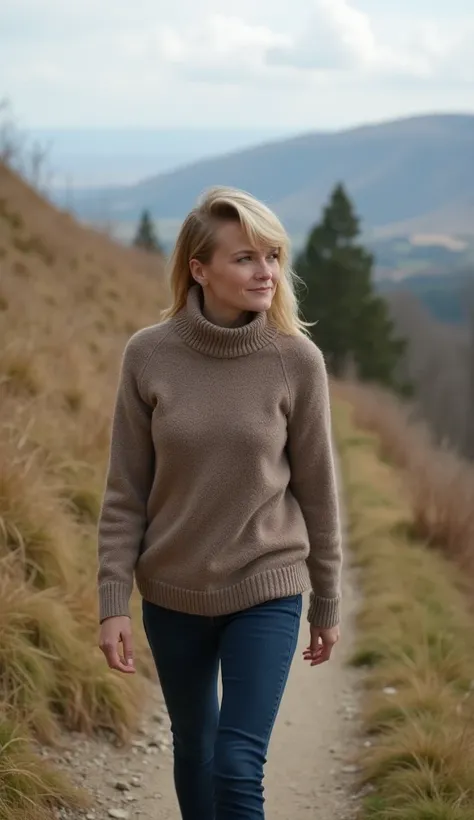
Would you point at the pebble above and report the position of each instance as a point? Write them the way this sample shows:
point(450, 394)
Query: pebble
point(351, 769)
point(119, 814)
point(389, 690)
point(121, 786)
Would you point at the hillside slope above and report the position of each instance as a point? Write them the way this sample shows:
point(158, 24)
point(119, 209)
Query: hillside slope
point(413, 171)
point(69, 300)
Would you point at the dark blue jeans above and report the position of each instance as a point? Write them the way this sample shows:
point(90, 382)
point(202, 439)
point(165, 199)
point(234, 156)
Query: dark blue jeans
point(219, 755)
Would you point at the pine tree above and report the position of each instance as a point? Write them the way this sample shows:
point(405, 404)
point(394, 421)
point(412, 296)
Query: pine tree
point(353, 323)
point(145, 236)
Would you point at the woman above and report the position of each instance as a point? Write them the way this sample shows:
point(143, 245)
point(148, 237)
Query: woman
point(221, 501)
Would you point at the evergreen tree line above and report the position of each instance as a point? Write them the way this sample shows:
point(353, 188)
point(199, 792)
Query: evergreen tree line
point(352, 323)
point(353, 326)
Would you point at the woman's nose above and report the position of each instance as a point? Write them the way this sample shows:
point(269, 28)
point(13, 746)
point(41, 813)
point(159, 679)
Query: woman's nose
point(264, 270)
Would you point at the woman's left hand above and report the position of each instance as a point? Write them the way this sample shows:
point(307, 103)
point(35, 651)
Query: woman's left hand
point(321, 644)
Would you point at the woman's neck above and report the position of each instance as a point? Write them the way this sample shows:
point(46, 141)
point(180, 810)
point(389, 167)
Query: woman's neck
point(221, 314)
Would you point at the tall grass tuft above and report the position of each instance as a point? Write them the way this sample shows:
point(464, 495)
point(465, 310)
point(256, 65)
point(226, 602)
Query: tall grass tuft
point(438, 483)
point(29, 788)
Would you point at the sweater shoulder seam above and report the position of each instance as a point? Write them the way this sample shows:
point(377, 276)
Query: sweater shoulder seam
point(148, 359)
point(285, 375)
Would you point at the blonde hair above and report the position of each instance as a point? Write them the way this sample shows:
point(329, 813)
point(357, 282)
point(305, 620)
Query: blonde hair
point(196, 240)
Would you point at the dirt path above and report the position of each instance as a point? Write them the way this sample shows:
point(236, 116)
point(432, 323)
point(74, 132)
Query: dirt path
point(309, 773)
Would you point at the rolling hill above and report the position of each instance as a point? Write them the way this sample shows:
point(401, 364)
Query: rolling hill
point(413, 174)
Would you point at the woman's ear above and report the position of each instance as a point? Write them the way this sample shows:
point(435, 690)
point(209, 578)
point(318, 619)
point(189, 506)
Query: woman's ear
point(197, 272)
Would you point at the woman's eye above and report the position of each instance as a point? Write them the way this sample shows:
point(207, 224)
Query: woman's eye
point(243, 259)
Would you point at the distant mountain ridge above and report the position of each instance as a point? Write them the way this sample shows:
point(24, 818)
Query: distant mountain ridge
point(412, 174)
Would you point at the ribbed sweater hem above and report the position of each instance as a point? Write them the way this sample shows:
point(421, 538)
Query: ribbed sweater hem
point(273, 583)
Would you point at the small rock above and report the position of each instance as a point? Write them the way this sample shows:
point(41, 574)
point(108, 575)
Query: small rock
point(121, 786)
point(136, 781)
point(90, 816)
point(389, 690)
point(119, 814)
point(351, 769)
point(159, 718)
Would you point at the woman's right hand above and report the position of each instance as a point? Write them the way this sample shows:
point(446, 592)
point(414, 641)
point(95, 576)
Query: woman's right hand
point(112, 632)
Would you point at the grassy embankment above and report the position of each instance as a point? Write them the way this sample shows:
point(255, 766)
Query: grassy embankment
point(69, 299)
point(411, 527)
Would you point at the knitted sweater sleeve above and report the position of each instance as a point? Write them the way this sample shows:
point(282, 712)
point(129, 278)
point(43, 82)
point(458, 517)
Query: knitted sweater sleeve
point(130, 472)
point(313, 478)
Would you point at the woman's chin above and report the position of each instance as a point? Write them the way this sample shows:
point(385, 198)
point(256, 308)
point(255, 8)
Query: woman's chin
point(261, 301)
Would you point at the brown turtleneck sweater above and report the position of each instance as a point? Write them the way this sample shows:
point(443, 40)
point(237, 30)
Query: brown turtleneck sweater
point(221, 490)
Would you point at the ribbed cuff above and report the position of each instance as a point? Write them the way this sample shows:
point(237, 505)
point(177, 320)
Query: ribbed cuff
point(113, 599)
point(323, 612)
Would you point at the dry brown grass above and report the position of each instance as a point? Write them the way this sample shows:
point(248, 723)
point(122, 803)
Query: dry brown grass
point(438, 483)
point(416, 643)
point(69, 300)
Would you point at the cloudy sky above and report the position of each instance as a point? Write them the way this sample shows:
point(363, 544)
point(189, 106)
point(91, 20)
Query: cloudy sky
point(283, 64)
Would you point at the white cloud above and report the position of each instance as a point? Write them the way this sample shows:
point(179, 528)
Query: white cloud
point(336, 36)
point(339, 37)
point(449, 49)
point(221, 49)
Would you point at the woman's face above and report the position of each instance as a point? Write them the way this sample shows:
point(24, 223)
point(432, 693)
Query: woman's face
point(239, 277)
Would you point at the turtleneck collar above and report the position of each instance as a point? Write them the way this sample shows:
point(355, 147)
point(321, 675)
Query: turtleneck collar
point(221, 342)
